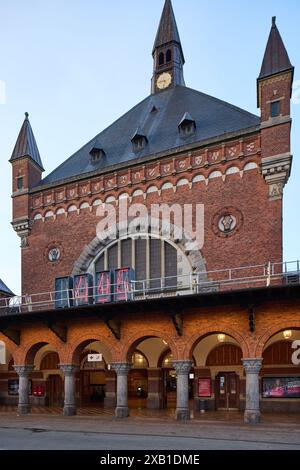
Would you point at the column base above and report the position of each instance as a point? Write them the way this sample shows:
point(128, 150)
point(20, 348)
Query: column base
point(70, 410)
point(122, 412)
point(252, 417)
point(24, 409)
point(182, 414)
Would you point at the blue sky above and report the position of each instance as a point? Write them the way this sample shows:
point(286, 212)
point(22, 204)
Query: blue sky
point(77, 65)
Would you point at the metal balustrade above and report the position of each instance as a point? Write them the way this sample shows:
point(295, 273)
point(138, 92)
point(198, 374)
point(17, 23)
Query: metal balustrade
point(243, 277)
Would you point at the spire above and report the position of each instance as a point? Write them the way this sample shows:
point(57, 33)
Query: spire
point(276, 58)
point(167, 31)
point(167, 53)
point(26, 145)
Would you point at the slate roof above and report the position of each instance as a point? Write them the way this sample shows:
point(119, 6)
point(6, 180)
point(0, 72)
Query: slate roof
point(26, 145)
point(213, 118)
point(4, 289)
point(276, 58)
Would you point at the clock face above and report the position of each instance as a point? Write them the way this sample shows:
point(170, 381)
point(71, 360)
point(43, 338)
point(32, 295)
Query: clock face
point(164, 80)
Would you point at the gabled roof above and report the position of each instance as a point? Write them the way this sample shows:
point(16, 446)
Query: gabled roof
point(26, 145)
point(167, 31)
point(186, 118)
point(213, 118)
point(276, 58)
point(5, 290)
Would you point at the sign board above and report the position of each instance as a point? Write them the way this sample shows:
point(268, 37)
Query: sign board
point(2, 353)
point(95, 358)
point(204, 387)
point(281, 387)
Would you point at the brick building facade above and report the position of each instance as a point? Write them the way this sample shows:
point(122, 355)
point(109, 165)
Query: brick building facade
point(192, 329)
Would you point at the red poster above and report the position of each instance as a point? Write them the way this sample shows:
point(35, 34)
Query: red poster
point(204, 387)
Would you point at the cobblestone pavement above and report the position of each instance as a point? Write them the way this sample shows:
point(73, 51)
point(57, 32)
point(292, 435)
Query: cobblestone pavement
point(104, 431)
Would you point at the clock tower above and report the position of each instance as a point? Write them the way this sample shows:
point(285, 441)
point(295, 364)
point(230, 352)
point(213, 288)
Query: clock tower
point(167, 53)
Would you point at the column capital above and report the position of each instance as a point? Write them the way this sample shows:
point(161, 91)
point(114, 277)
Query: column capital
point(252, 366)
point(121, 368)
point(182, 367)
point(69, 369)
point(24, 370)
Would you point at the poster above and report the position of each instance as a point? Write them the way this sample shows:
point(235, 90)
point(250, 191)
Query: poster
point(103, 287)
point(281, 387)
point(13, 387)
point(204, 387)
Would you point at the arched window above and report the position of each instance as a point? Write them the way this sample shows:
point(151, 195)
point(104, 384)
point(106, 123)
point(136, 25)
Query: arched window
point(161, 59)
point(167, 186)
point(182, 182)
point(198, 178)
point(152, 189)
point(250, 166)
point(37, 217)
point(168, 55)
point(167, 361)
point(139, 361)
point(97, 202)
point(60, 211)
point(152, 259)
point(215, 174)
point(110, 199)
point(50, 361)
point(232, 170)
point(48, 214)
point(138, 192)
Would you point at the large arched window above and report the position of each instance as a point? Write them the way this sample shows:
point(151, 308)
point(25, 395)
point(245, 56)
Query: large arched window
point(168, 55)
point(152, 259)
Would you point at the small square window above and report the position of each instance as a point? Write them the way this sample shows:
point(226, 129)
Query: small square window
point(20, 183)
point(275, 108)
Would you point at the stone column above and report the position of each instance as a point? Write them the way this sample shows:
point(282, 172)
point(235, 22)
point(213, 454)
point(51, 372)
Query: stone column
point(24, 372)
point(154, 399)
point(182, 406)
point(69, 371)
point(122, 369)
point(252, 411)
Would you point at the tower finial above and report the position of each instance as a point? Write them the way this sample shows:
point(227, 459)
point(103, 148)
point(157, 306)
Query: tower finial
point(26, 115)
point(273, 21)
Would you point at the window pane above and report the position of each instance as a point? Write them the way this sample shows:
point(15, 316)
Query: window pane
point(126, 258)
point(275, 107)
point(170, 265)
point(140, 259)
point(100, 264)
point(155, 262)
point(113, 257)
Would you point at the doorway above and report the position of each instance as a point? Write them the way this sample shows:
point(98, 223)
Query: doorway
point(227, 391)
point(55, 390)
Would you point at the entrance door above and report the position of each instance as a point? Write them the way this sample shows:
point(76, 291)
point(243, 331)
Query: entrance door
point(227, 391)
point(55, 388)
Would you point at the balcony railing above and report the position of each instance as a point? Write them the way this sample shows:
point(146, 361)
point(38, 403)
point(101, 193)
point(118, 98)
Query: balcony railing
point(243, 277)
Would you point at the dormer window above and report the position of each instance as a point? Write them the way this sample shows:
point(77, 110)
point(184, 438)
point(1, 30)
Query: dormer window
point(139, 141)
point(187, 125)
point(96, 154)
